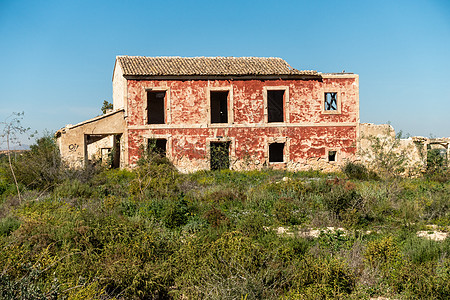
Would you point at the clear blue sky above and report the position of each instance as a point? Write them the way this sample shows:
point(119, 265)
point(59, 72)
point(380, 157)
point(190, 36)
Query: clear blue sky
point(57, 57)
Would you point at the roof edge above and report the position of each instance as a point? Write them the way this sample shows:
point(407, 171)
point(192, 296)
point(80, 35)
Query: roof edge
point(224, 77)
point(91, 120)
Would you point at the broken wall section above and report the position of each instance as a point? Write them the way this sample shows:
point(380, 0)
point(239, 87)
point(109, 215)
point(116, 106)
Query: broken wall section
point(379, 141)
point(93, 139)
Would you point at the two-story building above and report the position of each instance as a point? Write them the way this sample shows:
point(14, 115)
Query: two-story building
point(222, 112)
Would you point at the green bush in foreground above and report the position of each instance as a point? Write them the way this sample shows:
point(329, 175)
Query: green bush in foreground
point(155, 233)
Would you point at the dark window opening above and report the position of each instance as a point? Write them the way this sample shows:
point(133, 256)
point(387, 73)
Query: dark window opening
point(155, 107)
point(332, 155)
point(219, 107)
point(116, 151)
point(330, 101)
point(276, 152)
point(157, 146)
point(275, 103)
point(220, 155)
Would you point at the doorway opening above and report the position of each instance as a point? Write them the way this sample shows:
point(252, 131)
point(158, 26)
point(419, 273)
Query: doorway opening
point(220, 155)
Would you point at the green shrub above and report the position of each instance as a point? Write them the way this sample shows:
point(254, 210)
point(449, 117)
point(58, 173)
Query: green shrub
point(286, 212)
point(382, 252)
point(112, 182)
point(154, 180)
point(8, 225)
point(128, 208)
point(437, 162)
point(231, 267)
point(73, 188)
point(175, 214)
point(334, 241)
point(341, 198)
point(225, 197)
point(194, 224)
point(319, 278)
point(291, 249)
point(154, 233)
point(41, 167)
point(354, 170)
point(430, 280)
point(216, 217)
point(436, 204)
point(252, 223)
point(421, 250)
point(7, 188)
point(386, 157)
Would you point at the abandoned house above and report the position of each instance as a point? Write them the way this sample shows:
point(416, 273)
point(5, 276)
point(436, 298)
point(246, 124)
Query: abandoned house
point(221, 112)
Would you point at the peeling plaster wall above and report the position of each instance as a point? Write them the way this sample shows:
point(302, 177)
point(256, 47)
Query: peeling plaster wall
point(308, 132)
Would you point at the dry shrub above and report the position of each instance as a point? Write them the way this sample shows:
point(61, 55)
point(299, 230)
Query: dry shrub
point(216, 217)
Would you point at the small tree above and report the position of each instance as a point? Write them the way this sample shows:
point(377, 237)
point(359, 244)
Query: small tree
point(41, 167)
point(11, 130)
point(106, 106)
point(437, 165)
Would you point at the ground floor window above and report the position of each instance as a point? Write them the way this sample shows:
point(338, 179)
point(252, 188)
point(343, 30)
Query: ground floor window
point(276, 152)
point(157, 146)
point(332, 154)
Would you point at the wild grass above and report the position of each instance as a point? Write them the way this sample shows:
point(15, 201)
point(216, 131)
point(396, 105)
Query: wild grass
point(154, 233)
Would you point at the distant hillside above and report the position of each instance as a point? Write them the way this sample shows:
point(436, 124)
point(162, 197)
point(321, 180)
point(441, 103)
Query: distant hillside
point(15, 147)
point(5, 152)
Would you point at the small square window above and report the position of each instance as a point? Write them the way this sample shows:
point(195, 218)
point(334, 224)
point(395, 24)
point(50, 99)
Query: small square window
point(330, 103)
point(276, 152)
point(332, 155)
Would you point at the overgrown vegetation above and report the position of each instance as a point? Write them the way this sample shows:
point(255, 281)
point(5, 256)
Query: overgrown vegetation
point(155, 233)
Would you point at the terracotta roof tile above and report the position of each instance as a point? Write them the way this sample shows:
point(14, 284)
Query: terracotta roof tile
point(215, 66)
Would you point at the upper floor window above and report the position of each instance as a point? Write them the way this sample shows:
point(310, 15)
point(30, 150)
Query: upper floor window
point(275, 105)
point(156, 107)
point(219, 106)
point(331, 102)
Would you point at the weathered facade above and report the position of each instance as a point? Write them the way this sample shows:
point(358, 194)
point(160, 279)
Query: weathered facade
point(224, 112)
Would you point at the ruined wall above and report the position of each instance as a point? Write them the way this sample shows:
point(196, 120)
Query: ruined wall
point(94, 148)
point(308, 132)
point(381, 138)
point(414, 149)
point(72, 140)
